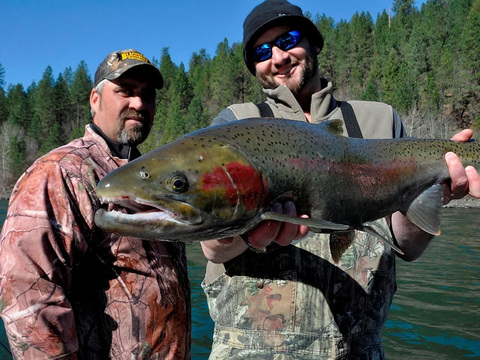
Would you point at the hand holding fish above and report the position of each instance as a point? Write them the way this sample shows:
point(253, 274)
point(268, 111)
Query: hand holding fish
point(274, 231)
point(463, 181)
point(266, 232)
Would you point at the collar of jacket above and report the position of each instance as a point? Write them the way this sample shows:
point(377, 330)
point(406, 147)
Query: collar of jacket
point(322, 105)
point(119, 150)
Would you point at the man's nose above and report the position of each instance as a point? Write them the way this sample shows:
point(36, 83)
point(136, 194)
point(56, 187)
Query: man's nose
point(136, 102)
point(279, 56)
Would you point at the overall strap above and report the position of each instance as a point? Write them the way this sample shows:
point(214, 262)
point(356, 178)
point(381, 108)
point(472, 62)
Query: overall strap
point(351, 122)
point(265, 110)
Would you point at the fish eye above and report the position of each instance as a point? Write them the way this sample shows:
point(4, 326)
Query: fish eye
point(179, 183)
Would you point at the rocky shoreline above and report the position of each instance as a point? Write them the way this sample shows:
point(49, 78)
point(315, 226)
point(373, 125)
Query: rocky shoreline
point(5, 195)
point(466, 202)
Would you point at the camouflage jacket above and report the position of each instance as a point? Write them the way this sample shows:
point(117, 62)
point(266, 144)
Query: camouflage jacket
point(295, 302)
point(71, 291)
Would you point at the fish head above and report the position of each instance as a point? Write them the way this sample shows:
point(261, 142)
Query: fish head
point(189, 190)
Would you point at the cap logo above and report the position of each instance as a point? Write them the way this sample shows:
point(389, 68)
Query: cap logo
point(281, 14)
point(134, 56)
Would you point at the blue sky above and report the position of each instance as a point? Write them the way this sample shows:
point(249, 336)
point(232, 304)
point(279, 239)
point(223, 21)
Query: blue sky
point(60, 33)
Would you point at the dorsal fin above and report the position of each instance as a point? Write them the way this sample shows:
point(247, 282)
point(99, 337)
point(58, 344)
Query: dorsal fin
point(334, 127)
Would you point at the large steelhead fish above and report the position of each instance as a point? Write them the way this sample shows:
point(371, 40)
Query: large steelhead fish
point(223, 180)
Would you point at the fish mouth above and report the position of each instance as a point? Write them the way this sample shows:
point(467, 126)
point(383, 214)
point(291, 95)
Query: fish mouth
point(141, 211)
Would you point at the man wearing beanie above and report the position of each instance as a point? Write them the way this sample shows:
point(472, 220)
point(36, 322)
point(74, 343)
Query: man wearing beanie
point(68, 289)
point(297, 300)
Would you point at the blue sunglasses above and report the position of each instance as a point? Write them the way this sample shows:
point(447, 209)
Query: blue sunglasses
point(284, 42)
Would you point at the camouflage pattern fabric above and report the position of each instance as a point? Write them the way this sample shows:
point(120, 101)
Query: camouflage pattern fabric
point(69, 290)
point(294, 302)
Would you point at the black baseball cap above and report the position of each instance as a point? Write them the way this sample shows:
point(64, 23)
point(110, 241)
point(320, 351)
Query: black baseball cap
point(273, 13)
point(119, 62)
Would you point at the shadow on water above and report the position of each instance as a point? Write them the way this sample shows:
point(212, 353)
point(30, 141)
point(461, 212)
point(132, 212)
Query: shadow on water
point(435, 312)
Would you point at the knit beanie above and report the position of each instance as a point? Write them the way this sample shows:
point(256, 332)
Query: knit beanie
point(273, 13)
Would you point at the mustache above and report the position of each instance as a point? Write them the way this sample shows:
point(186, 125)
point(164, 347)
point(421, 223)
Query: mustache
point(131, 113)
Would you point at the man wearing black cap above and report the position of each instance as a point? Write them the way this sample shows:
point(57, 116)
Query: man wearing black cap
point(300, 301)
point(69, 290)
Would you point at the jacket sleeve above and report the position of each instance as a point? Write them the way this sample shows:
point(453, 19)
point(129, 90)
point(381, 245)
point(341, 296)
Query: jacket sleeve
point(41, 239)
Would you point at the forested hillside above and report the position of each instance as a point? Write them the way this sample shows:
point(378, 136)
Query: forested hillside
point(425, 62)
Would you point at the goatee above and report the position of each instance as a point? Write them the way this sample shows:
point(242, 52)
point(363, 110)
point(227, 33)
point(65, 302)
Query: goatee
point(138, 133)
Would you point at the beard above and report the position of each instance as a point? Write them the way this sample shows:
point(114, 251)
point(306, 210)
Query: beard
point(308, 72)
point(138, 133)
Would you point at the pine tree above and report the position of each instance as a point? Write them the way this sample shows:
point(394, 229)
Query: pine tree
point(80, 89)
point(470, 43)
point(405, 90)
point(370, 93)
point(471, 61)
point(168, 70)
point(220, 85)
point(197, 115)
point(402, 22)
point(229, 82)
point(3, 106)
point(12, 154)
point(2, 76)
point(63, 111)
point(179, 97)
point(3, 97)
point(389, 76)
point(43, 109)
point(342, 65)
point(326, 26)
point(68, 76)
point(19, 111)
point(361, 50)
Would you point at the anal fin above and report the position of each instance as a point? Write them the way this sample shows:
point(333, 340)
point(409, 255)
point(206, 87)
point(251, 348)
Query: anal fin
point(340, 241)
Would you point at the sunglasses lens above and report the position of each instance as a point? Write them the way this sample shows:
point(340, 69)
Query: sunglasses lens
point(288, 40)
point(262, 52)
point(284, 42)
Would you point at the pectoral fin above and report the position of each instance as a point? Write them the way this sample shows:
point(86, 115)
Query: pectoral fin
point(315, 224)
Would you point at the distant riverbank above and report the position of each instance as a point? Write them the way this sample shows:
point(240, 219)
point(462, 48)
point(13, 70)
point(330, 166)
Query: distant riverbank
point(466, 202)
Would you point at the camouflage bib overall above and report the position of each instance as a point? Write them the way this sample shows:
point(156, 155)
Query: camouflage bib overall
point(295, 303)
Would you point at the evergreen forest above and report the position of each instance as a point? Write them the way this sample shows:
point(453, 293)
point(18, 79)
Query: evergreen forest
point(424, 61)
